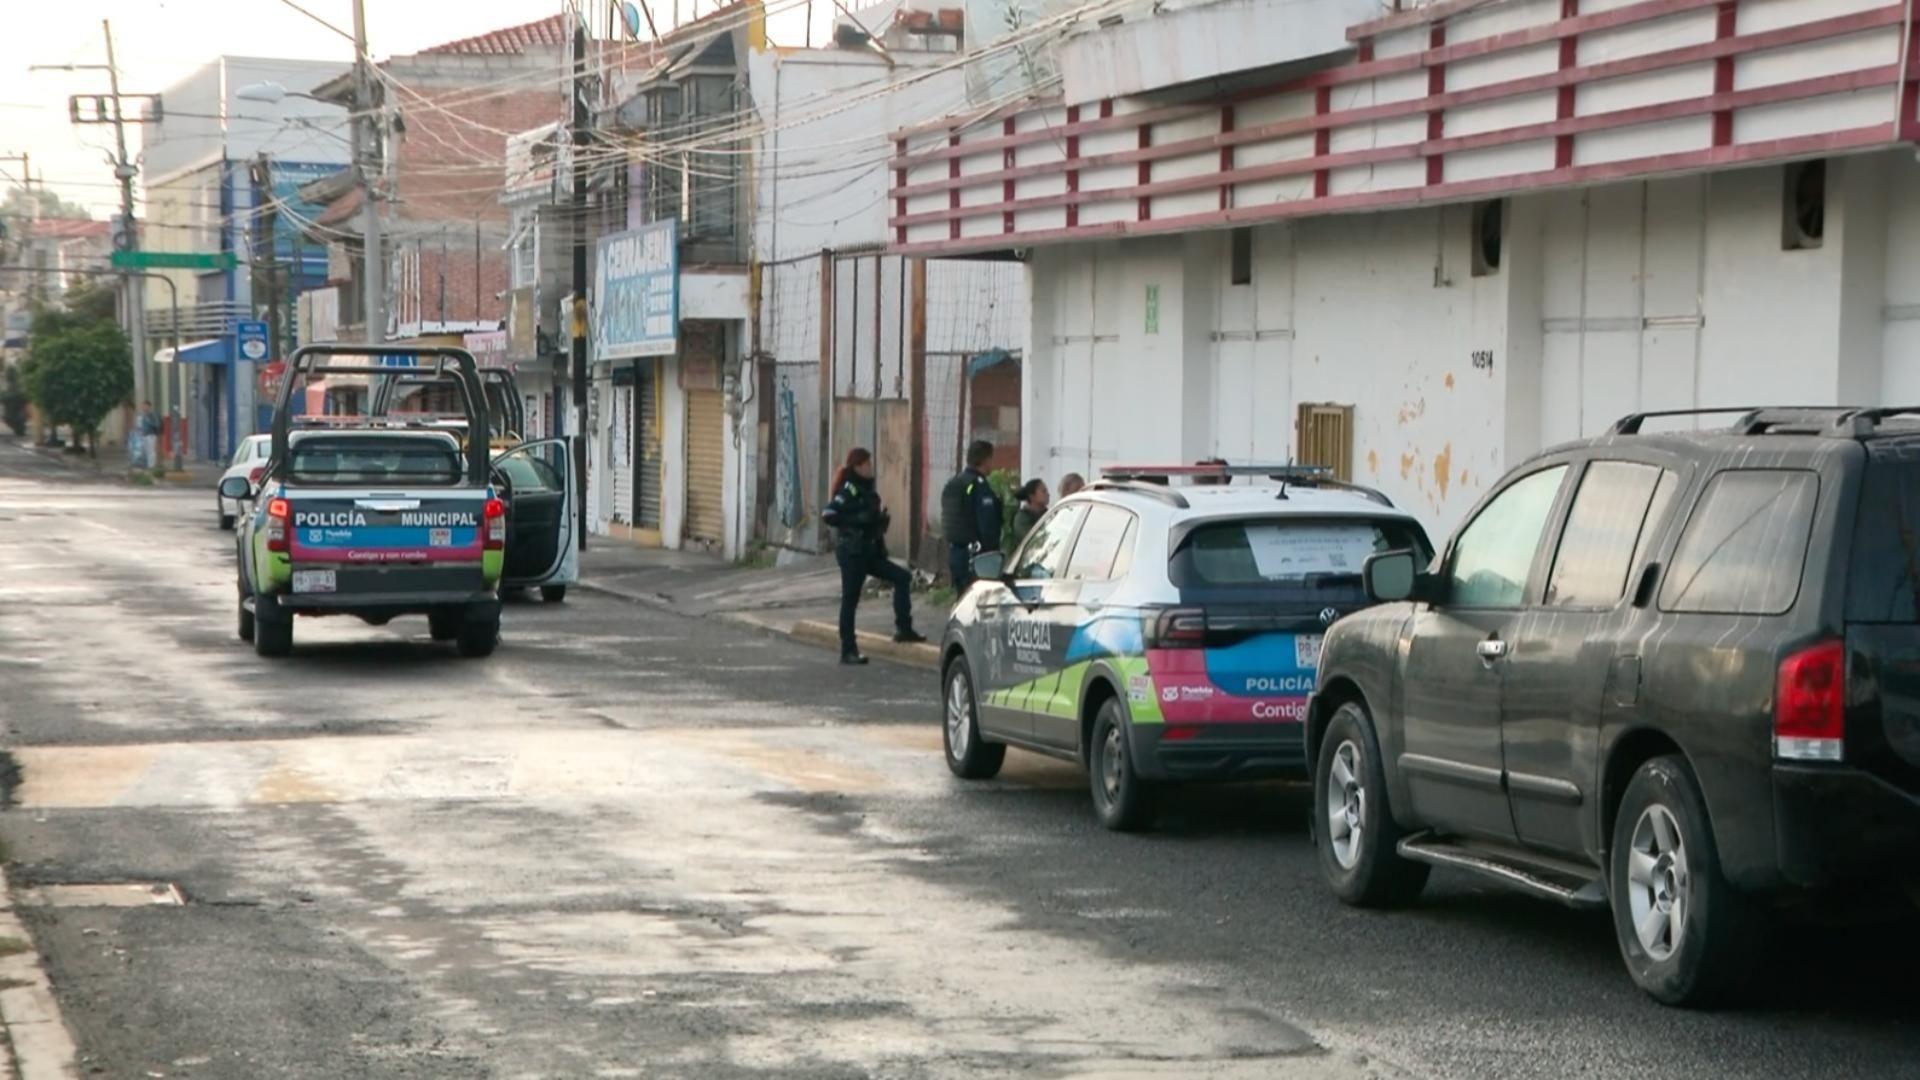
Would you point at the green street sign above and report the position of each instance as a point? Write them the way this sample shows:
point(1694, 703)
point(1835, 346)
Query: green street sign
point(173, 260)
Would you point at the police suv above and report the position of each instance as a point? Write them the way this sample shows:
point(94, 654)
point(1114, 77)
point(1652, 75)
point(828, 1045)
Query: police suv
point(381, 517)
point(1156, 631)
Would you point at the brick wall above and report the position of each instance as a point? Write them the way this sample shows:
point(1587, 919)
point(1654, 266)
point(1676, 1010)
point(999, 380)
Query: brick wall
point(448, 171)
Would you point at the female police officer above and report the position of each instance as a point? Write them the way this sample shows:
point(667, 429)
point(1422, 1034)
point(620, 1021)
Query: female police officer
point(860, 544)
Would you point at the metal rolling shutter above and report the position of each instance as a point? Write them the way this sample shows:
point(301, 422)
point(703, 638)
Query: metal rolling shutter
point(706, 429)
point(646, 394)
point(623, 454)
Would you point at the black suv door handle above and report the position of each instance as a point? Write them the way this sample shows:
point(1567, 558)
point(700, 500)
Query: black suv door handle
point(1491, 650)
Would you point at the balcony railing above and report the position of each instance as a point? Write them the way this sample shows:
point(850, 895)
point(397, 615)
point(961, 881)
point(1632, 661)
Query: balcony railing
point(197, 321)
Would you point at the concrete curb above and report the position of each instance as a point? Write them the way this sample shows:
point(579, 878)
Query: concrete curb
point(922, 655)
point(42, 1047)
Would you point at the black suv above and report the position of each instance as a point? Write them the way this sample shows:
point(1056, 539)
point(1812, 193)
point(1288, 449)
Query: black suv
point(1677, 674)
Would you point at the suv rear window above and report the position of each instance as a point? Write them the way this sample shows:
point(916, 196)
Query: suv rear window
point(1321, 555)
point(1745, 546)
point(371, 459)
point(1883, 577)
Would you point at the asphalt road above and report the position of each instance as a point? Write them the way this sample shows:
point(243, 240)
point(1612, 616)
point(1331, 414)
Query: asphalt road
point(635, 844)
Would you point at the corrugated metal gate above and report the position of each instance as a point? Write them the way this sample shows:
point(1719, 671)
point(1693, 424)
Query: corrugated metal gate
point(646, 394)
point(622, 434)
point(706, 433)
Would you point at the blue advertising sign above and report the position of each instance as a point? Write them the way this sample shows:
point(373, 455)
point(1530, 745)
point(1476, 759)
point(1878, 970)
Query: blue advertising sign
point(636, 293)
point(250, 341)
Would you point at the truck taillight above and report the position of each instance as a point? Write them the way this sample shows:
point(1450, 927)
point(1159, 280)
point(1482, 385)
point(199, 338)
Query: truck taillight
point(1180, 628)
point(277, 515)
point(496, 519)
point(1810, 704)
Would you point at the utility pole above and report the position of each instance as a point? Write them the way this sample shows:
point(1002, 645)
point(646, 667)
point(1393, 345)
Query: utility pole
point(582, 134)
point(126, 239)
point(262, 176)
point(366, 146)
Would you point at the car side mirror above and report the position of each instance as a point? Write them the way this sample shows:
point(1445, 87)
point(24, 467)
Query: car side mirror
point(990, 566)
point(1391, 576)
point(236, 487)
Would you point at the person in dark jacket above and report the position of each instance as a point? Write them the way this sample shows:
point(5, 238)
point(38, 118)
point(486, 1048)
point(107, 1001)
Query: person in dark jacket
point(1033, 506)
point(970, 515)
point(859, 525)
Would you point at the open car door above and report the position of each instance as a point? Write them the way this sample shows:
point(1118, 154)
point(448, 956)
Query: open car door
point(536, 481)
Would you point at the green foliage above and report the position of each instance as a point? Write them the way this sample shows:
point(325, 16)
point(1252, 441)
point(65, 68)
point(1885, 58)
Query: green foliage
point(80, 374)
point(14, 399)
point(18, 205)
point(1006, 485)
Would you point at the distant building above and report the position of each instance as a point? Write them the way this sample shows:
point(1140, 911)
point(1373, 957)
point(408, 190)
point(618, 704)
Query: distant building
point(206, 192)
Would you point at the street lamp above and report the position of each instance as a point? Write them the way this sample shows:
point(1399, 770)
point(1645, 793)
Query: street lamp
point(272, 93)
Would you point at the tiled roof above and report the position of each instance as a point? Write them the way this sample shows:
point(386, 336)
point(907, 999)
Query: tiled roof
point(511, 41)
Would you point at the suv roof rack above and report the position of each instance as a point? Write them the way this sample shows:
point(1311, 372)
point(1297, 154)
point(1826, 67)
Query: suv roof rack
point(1313, 476)
point(1840, 421)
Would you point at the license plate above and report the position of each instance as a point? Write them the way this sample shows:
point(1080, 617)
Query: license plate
point(1306, 652)
point(312, 581)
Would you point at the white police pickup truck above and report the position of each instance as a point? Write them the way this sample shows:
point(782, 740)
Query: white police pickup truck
point(378, 517)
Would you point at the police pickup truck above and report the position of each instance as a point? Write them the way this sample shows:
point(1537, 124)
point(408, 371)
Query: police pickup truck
point(381, 517)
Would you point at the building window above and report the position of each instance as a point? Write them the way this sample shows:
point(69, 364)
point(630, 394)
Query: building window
point(1323, 435)
point(1803, 206)
point(1242, 257)
point(1489, 236)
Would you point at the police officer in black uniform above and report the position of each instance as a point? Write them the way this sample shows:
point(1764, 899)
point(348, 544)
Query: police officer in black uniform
point(860, 524)
point(970, 515)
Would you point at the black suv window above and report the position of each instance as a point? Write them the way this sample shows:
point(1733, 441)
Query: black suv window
point(1604, 533)
point(1097, 555)
point(1492, 557)
point(1044, 555)
point(1883, 581)
point(1745, 545)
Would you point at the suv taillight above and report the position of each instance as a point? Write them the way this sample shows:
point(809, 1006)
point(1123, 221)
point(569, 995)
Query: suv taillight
point(496, 524)
point(1810, 704)
point(1180, 628)
point(277, 514)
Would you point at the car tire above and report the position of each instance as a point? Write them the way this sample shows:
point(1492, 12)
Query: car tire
point(244, 621)
point(478, 636)
point(1358, 840)
point(443, 625)
point(1663, 862)
point(1121, 799)
point(272, 634)
point(969, 756)
point(553, 594)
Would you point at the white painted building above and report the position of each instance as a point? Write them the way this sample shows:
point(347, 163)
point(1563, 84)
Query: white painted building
point(893, 338)
point(1424, 246)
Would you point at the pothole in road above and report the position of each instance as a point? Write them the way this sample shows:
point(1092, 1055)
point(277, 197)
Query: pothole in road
point(109, 894)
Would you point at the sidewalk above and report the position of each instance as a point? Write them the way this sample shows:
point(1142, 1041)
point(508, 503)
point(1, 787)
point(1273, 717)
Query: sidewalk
point(112, 465)
point(800, 600)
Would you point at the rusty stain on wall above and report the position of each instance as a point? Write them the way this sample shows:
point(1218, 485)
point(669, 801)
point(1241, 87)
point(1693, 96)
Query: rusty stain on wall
point(1449, 380)
point(1443, 469)
point(1406, 465)
point(1412, 410)
point(1373, 463)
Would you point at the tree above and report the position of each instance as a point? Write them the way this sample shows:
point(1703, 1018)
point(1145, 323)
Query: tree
point(19, 205)
point(81, 374)
point(13, 399)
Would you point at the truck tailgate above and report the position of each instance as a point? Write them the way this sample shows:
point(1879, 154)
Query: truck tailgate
point(350, 543)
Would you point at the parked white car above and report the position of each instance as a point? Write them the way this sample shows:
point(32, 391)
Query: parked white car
point(250, 461)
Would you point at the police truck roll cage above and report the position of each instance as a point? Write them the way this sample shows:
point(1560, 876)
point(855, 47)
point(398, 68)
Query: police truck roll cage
point(310, 361)
point(1153, 480)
